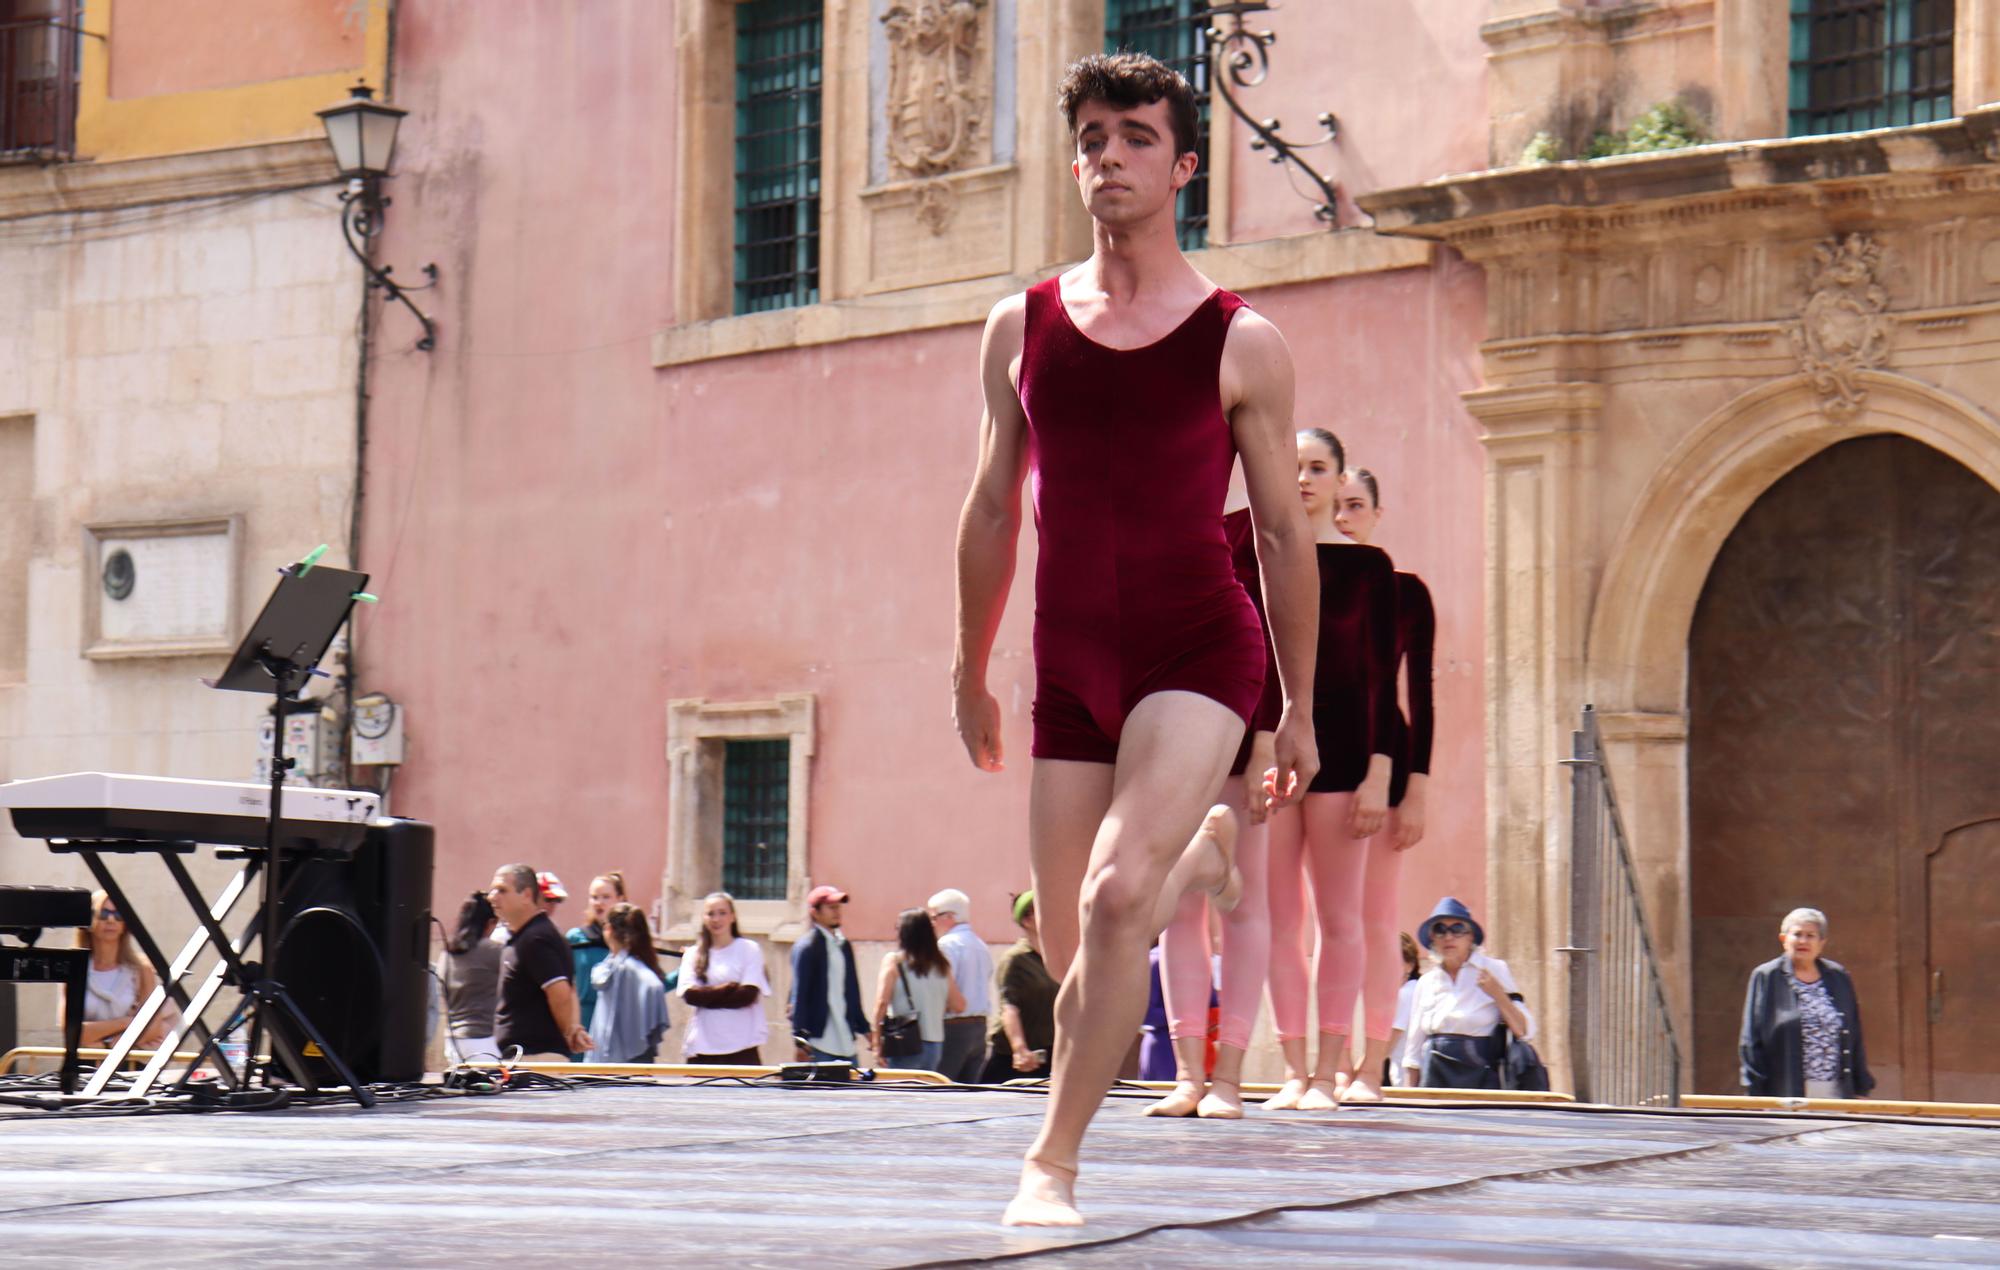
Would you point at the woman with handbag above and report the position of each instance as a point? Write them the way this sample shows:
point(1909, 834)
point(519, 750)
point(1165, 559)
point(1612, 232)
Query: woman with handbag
point(913, 994)
point(1465, 1007)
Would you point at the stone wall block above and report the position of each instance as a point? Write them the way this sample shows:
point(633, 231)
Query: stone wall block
point(300, 366)
point(187, 373)
point(211, 262)
point(292, 252)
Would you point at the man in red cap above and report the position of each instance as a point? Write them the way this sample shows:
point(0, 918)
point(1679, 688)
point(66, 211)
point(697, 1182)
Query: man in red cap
point(826, 1012)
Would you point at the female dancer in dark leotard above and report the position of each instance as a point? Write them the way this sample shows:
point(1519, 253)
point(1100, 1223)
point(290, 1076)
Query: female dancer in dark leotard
point(1358, 515)
point(1354, 701)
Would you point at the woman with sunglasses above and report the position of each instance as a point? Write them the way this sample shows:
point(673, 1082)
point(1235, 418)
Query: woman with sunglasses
point(1460, 1005)
point(119, 978)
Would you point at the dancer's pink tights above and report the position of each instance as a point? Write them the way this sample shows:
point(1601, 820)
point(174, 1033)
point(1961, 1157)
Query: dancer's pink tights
point(1246, 947)
point(1354, 885)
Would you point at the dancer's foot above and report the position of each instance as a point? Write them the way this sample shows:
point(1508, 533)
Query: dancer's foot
point(1287, 1098)
point(1182, 1102)
point(1219, 828)
point(1321, 1095)
point(1047, 1197)
point(1224, 1100)
point(1361, 1089)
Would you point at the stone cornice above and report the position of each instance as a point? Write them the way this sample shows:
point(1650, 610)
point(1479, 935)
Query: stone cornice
point(1556, 26)
point(1254, 266)
point(1507, 209)
point(95, 187)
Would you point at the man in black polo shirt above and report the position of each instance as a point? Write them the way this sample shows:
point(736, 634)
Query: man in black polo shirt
point(538, 1007)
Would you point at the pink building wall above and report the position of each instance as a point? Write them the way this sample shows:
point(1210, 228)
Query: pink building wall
point(565, 538)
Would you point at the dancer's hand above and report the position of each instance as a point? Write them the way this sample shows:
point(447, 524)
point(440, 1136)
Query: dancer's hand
point(977, 715)
point(1295, 760)
point(1371, 799)
point(1263, 761)
point(1409, 814)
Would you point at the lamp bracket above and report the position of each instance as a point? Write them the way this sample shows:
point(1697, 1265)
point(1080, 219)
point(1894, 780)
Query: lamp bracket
point(1239, 58)
point(361, 207)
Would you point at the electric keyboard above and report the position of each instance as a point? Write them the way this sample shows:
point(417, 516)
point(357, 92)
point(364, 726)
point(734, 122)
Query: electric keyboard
point(104, 811)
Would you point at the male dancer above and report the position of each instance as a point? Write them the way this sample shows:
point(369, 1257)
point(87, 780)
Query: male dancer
point(1131, 384)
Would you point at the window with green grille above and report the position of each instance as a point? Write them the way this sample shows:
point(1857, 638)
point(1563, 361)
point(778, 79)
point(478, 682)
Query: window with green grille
point(1172, 30)
point(777, 154)
point(756, 813)
point(1869, 64)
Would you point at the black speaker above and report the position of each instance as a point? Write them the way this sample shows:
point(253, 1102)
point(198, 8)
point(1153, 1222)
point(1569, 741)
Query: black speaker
point(353, 952)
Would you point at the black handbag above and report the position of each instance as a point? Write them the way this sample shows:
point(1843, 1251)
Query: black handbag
point(901, 1036)
point(1520, 1066)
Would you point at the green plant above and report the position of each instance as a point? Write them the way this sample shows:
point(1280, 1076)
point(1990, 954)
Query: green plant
point(1542, 148)
point(1669, 125)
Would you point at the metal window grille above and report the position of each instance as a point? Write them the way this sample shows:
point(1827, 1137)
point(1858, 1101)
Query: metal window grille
point(39, 61)
point(1859, 64)
point(777, 154)
point(1174, 32)
point(756, 814)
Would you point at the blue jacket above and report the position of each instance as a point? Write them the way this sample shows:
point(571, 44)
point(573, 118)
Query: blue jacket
point(809, 988)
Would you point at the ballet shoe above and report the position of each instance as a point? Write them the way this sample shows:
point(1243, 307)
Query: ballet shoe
point(1360, 1089)
point(1182, 1102)
point(1287, 1097)
point(1321, 1095)
point(1220, 825)
point(1218, 1106)
point(1047, 1197)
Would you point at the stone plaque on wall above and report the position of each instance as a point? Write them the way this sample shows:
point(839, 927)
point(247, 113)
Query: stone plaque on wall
point(161, 588)
point(944, 229)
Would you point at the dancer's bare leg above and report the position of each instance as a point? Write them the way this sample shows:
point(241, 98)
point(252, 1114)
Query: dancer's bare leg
point(1172, 757)
point(1337, 863)
point(1366, 1085)
point(1066, 803)
point(1224, 1100)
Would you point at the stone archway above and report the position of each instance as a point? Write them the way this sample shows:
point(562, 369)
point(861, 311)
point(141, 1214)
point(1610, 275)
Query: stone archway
point(1637, 649)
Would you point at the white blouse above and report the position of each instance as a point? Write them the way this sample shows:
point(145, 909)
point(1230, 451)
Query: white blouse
point(1446, 1003)
point(713, 1031)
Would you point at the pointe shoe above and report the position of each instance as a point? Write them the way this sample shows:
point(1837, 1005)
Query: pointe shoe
point(1047, 1197)
point(1220, 1106)
point(1288, 1096)
point(1361, 1089)
point(1220, 825)
point(1182, 1102)
point(1321, 1095)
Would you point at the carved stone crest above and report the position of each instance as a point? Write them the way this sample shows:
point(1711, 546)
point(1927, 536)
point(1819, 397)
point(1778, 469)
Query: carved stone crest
point(1844, 327)
point(938, 89)
point(937, 203)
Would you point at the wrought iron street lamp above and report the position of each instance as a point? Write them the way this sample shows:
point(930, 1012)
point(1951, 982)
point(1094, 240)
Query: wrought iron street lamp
point(362, 132)
point(1240, 58)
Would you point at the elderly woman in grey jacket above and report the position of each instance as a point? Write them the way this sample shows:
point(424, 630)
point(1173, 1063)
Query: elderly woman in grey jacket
point(1801, 1021)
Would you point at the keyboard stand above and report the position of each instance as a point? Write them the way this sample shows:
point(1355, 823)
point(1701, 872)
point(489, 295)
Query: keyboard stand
point(168, 974)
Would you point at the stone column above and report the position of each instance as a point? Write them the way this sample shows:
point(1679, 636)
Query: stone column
point(1540, 443)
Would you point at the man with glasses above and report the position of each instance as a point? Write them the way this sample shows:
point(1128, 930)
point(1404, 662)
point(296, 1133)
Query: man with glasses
point(1460, 1004)
point(972, 970)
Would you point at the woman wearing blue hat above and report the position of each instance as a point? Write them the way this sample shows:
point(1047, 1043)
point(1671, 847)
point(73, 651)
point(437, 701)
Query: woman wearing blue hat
point(1460, 1005)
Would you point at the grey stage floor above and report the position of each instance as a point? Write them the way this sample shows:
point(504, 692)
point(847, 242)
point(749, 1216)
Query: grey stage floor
point(727, 1175)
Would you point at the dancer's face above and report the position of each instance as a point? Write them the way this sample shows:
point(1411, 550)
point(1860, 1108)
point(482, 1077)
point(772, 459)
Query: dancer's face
point(1319, 477)
point(1125, 165)
point(1356, 515)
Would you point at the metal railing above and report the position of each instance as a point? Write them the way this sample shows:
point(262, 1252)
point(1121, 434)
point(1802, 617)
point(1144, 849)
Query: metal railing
point(1623, 1048)
point(38, 82)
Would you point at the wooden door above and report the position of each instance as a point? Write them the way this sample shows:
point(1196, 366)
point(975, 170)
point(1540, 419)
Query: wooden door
point(1844, 714)
point(1964, 891)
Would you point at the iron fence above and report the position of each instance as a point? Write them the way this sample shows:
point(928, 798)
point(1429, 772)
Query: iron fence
point(1623, 1048)
point(38, 78)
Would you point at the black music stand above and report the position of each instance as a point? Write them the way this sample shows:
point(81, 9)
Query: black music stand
point(279, 654)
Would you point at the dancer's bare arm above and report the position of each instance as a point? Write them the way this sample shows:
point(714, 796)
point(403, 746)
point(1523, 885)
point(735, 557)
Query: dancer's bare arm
point(1257, 387)
point(988, 529)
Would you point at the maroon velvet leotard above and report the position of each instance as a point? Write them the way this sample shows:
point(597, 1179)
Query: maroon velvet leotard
point(1134, 589)
point(1416, 635)
point(1354, 676)
point(1236, 527)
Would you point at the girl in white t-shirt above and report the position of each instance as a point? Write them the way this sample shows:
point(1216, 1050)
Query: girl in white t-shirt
point(723, 979)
